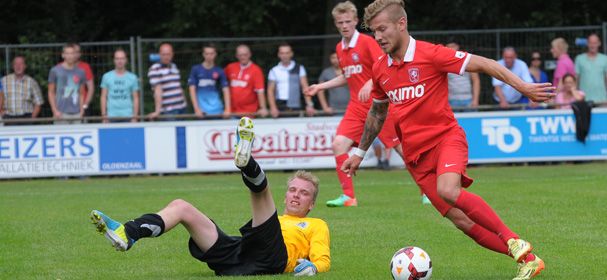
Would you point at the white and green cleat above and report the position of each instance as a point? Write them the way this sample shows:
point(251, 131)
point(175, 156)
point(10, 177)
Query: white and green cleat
point(112, 230)
point(244, 142)
point(343, 201)
point(426, 200)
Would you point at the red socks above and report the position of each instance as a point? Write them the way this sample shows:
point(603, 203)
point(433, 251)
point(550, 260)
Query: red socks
point(481, 213)
point(487, 239)
point(346, 182)
point(491, 241)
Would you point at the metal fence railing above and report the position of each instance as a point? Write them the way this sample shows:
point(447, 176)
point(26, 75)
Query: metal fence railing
point(489, 43)
point(40, 58)
point(310, 51)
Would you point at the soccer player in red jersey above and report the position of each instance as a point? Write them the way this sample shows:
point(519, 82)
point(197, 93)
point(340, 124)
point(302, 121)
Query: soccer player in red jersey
point(356, 53)
point(413, 77)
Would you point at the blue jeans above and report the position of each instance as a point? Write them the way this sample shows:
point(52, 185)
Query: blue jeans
point(172, 113)
point(460, 104)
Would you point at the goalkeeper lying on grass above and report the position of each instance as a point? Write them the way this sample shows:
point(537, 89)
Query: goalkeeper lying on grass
point(270, 244)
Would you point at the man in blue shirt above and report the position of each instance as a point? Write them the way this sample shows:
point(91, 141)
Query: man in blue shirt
point(119, 91)
point(504, 93)
point(204, 83)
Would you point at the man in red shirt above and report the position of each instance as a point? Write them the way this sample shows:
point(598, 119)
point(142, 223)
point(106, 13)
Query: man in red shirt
point(356, 53)
point(413, 77)
point(90, 82)
point(246, 82)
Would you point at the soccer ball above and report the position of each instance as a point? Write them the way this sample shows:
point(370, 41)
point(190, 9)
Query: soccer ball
point(411, 263)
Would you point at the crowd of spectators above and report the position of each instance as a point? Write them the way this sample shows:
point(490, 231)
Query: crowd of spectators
point(241, 89)
point(584, 79)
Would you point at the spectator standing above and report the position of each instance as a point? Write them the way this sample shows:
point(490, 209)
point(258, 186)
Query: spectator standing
point(166, 84)
point(204, 83)
point(22, 94)
point(591, 69)
point(564, 64)
point(339, 97)
point(535, 69)
point(1, 103)
point(504, 93)
point(285, 83)
point(247, 84)
point(90, 80)
point(119, 91)
point(568, 92)
point(66, 87)
point(464, 90)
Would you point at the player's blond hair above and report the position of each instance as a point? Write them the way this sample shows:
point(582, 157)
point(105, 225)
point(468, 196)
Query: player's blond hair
point(306, 176)
point(396, 10)
point(343, 8)
point(560, 44)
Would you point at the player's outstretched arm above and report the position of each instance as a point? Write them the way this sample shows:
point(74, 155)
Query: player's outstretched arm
point(536, 92)
point(375, 121)
point(333, 83)
point(365, 91)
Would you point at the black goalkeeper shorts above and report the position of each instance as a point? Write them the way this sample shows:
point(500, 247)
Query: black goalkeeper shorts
point(260, 250)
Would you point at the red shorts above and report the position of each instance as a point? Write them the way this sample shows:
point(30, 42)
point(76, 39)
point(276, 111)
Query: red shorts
point(450, 155)
point(353, 124)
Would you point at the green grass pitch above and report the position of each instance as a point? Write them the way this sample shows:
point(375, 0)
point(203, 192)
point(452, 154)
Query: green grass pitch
point(45, 231)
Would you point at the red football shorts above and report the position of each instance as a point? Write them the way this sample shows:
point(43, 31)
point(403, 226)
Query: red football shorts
point(352, 126)
point(450, 155)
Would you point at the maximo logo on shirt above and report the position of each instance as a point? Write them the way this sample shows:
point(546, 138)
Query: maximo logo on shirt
point(397, 96)
point(352, 69)
point(501, 134)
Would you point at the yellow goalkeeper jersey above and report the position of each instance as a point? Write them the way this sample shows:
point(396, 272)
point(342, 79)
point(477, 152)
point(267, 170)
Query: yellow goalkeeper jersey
point(306, 238)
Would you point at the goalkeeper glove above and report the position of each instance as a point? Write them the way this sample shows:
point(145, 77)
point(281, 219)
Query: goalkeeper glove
point(305, 268)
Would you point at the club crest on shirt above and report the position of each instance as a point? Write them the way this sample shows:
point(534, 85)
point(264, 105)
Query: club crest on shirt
point(302, 225)
point(414, 75)
point(215, 75)
point(355, 57)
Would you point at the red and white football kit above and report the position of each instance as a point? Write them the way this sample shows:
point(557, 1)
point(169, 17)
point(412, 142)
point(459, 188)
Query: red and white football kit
point(245, 82)
point(417, 88)
point(356, 61)
point(433, 142)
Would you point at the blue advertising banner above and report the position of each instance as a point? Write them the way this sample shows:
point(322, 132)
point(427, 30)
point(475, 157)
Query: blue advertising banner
point(532, 136)
point(121, 149)
point(288, 143)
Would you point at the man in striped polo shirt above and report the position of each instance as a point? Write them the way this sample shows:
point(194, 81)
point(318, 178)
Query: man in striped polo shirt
point(165, 81)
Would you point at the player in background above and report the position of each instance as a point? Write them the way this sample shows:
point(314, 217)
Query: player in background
point(204, 83)
point(413, 77)
point(356, 53)
point(270, 244)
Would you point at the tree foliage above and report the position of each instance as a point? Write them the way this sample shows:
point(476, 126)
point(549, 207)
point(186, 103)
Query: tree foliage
point(93, 20)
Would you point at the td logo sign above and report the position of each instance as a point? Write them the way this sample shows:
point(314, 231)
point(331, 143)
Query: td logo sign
point(501, 134)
